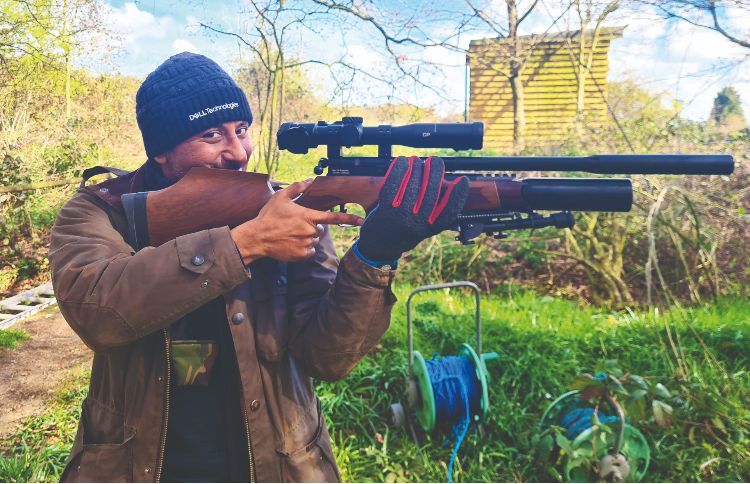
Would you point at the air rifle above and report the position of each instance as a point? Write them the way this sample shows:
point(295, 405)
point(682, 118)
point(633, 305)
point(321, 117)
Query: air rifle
point(498, 202)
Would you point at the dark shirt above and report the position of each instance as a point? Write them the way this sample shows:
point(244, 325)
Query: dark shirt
point(205, 435)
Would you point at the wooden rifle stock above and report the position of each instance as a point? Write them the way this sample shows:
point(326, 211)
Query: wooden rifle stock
point(208, 198)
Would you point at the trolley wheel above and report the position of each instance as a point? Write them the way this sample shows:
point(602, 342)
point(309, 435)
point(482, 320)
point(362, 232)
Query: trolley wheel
point(398, 415)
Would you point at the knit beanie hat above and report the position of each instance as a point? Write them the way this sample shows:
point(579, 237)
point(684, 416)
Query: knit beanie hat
point(185, 95)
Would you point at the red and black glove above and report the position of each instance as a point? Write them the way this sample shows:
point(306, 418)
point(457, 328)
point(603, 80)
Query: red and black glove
point(412, 207)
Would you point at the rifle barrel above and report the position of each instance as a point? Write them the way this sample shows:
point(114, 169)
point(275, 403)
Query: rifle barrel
point(601, 164)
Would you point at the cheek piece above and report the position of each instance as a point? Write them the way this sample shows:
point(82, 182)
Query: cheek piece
point(415, 203)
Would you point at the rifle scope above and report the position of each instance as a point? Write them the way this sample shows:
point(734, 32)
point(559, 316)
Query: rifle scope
point(298, 138)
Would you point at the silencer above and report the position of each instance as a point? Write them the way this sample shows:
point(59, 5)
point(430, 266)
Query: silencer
point(579, 194)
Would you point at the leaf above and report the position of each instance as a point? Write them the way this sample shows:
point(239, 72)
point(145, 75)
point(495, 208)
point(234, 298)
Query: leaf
point(662, 413)
point(545, 446)
point(661, 391)
point(581, 381)
point(610, 366)
point(719, 424)
point(618, 388)
point(564, 444)
point(638, 380)
point(554, 473)
point(594, 391)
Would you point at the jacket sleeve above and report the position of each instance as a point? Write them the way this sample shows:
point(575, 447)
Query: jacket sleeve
point(112, 296)
point(338, 311)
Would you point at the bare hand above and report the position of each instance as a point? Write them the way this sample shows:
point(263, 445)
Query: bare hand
point(284, 230)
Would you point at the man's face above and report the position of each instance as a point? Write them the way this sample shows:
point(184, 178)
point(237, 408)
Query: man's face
point(226, 146)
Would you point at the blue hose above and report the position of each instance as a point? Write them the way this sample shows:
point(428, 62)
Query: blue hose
point(579, 420)
point(457, 396)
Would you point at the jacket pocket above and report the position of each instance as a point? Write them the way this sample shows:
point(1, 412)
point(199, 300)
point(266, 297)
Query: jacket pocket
point(101, 452)
point(193, 361)
point(314, 462)
point(196, 253)
point(100, 463)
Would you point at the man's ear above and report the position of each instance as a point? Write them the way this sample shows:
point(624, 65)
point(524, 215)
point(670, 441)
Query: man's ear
point(161, 159)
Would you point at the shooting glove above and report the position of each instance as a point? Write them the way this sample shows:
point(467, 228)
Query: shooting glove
point(413, 205)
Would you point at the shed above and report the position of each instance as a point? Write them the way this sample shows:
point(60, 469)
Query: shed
point(550, 81)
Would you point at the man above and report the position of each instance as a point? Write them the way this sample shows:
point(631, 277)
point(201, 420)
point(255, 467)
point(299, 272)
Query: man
point(206, 346)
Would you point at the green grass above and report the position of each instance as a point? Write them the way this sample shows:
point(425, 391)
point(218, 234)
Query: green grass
point(37, 451)
point(543, 343)
point(10, 338)
point(699, 353)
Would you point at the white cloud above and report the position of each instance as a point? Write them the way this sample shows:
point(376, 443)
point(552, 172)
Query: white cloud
point(737, 20)
point(133, 24)
point(685, 62)
point(364, 57)
point(182, 45)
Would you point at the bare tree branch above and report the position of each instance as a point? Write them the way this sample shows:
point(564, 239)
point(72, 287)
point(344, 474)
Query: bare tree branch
point(683, 9)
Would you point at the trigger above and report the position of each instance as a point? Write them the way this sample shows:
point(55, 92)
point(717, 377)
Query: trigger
point(342, 209)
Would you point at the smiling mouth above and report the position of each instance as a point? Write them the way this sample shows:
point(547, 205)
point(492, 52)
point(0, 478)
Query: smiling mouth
point(227, 166)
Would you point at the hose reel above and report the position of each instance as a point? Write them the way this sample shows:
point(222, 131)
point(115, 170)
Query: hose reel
point(621, 455)
point(447, 390)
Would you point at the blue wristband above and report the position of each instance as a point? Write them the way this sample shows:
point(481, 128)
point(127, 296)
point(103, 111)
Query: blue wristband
point(392, 263)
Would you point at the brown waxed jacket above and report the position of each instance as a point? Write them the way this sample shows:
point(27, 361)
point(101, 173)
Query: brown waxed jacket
point(316, 321)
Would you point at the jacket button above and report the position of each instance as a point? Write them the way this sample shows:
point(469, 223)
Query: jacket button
point(238, 318)
point(147, 470)
point(204, 284)
point(254, 405)
point(198, 260)
point(281, 281)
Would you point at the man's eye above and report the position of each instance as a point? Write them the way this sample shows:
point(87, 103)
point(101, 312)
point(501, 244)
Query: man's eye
point(242, 130)
point(211, 135)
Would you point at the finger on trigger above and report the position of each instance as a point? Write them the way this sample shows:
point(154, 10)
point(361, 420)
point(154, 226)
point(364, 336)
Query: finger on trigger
point(295, 189)
point(336, 218)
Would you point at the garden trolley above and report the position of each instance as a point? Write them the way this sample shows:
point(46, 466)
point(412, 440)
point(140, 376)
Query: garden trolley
point(451, 390)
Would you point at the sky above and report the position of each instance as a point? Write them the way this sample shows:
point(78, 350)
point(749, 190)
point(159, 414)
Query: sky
point(684, 62)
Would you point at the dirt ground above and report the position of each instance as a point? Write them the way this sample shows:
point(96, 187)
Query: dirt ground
point(31, 372)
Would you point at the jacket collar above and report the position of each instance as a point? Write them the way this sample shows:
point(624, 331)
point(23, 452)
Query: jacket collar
point(147, 177)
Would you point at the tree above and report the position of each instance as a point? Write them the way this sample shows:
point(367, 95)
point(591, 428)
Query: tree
point(273, 31)
point(39, 40)
point(708, 14)
point(727, 110)
point(420, 27)
point(591, 16)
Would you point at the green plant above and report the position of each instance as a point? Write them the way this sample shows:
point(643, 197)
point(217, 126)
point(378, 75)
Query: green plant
point(39, 448)
point(10, 338)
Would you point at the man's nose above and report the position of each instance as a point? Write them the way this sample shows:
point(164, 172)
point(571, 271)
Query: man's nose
point(234, 152)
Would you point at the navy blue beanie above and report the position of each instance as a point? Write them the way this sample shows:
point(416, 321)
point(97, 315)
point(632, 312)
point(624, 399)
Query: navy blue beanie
point(185, 95)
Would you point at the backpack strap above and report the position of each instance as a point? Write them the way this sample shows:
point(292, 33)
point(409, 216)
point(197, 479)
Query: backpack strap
point(100, 170)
